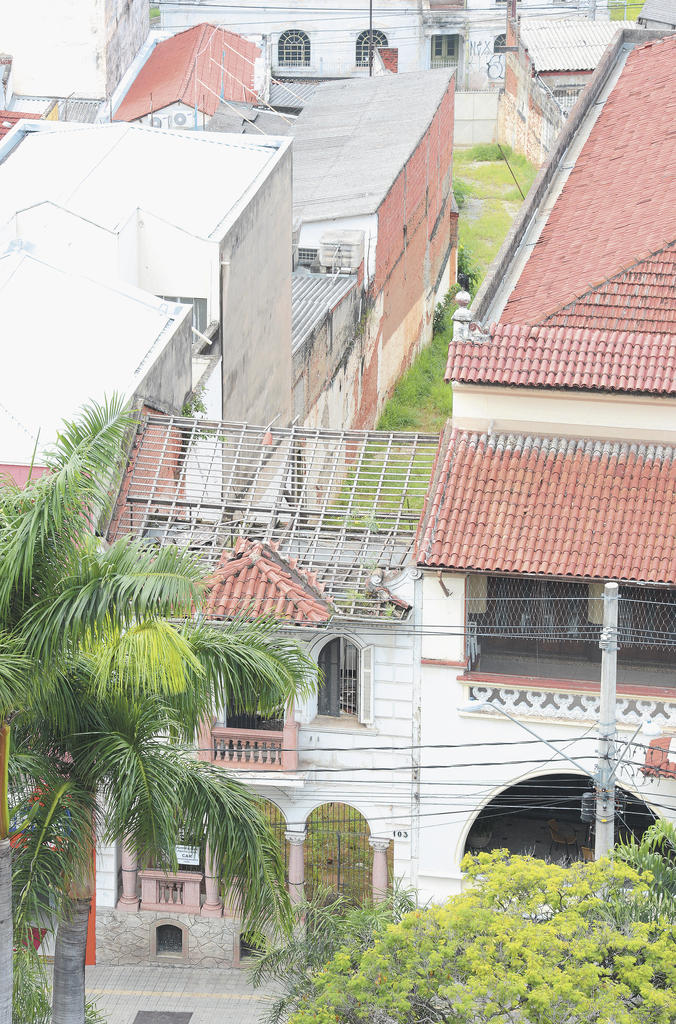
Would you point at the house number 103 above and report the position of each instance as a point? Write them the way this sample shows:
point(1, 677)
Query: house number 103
point(398, 834)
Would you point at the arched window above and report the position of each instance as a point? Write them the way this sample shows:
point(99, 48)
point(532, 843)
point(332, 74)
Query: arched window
point(293, 49)
point(362, 48)
point(339, 663)
point(499, 43)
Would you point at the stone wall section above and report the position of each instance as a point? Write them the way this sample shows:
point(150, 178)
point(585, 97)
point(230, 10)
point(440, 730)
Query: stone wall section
point(123, 938)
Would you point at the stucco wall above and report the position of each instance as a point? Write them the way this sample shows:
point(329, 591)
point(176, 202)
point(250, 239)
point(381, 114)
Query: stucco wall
point(571, 413)
point(257, 377)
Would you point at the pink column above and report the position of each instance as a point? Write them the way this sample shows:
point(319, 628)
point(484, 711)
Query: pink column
point(380, 880)
point(212, 905)
point(128, 901)
point(296, 841)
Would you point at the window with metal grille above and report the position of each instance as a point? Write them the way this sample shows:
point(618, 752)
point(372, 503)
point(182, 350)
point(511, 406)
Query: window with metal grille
point(362, 48)
point(339, 663)
point(169, 939)
point(306, 257)
point(499, 43)
point(293, 48)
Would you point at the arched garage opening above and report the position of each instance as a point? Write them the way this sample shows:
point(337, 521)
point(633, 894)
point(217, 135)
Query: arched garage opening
point(541, 817)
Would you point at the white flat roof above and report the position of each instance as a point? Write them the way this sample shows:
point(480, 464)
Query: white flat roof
point(64, 339)
point(104, 172)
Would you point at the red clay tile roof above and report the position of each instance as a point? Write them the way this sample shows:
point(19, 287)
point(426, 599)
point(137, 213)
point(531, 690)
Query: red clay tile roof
point(8, 118)
point(224, 59)
point(255, 580)
point(618, 203)
point(567, 357)
point(640, 298)
point(660, 758)
point(553, 506)
point(390, 57)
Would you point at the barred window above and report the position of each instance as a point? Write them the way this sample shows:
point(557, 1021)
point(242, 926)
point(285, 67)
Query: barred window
point(293, 48)
point(339, 663)
point(306, 257)
point(499, 43)
point(362, 48)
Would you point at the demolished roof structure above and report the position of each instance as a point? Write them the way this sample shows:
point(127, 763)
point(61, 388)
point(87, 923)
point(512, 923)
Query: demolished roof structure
point(344, 505)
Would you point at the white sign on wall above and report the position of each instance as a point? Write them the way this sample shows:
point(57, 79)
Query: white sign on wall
point(188, 855)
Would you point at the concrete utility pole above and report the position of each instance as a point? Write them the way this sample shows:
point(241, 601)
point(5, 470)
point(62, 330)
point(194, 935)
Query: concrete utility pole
point(370, 37)
point(605, 774)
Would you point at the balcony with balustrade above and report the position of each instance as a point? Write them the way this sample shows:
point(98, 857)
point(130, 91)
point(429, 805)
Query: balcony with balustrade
point(250, 743)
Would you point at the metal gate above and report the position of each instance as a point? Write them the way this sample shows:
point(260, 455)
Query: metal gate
point(338, 857)
point(277, 823)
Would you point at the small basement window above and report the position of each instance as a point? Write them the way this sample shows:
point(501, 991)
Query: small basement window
point(169, 940)
point(307, 257)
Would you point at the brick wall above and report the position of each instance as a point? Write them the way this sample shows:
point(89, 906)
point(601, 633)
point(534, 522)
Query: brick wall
point(529, 119)
point(416, 232)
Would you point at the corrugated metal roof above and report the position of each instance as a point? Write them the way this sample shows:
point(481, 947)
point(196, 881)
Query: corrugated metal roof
point(249, 120)
point(353, 138)
point(291, 95)
point(312, 297)
point(84, 111)
point(663, 11)
point(568, 44)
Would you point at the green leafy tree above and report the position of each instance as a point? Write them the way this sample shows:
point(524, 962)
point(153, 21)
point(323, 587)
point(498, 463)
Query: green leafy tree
point(529, 942)
point(115, 696)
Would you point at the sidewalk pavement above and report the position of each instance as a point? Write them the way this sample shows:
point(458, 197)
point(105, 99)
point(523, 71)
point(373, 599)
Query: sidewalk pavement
point(212, 995)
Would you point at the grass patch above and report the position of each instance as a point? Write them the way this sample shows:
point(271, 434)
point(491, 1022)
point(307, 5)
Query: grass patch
point(625, 12)
point(421, 400)
point(154, 11)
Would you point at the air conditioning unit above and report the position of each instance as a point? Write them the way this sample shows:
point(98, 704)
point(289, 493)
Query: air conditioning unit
point(179, 120)
point(341, 250)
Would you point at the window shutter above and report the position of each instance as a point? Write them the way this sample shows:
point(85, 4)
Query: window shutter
point(366, 675)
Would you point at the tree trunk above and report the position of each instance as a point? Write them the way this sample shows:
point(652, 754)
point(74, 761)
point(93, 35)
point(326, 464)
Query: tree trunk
point(68, 1004)
point(6, 939)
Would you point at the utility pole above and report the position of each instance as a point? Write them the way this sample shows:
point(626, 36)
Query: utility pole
point(605, 774)
point(370, 38)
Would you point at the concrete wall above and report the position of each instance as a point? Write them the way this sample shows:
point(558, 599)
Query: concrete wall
point(257, 376)
point(126, 25)
point(72, 47)
point(168, 380)
point(476, 117)
point(326, 362)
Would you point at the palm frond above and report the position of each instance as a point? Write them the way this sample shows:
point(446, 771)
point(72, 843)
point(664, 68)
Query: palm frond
point(247, 665)
point(149, 657)
point(54, 822)
point(54, 512)
point(111, 590)
point(15, 673)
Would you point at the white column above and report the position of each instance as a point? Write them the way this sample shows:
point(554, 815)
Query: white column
point(380, 881)
point(296, 841)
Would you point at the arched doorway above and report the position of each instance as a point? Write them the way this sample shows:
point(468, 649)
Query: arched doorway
point(542, 817)
point(338, 857)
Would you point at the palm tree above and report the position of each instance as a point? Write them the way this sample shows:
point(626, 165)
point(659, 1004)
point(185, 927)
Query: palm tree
point(112, 683)
point(654, 854)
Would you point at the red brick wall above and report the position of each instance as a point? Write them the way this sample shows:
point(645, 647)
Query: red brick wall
point(415, 232)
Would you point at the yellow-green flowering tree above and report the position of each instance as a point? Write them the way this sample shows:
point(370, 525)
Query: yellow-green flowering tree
point(529, 942)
